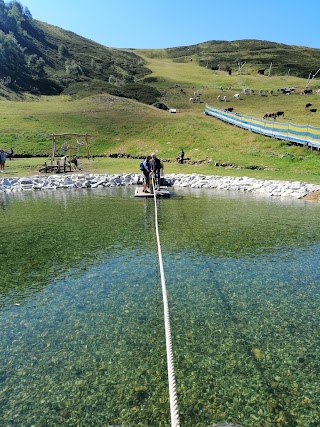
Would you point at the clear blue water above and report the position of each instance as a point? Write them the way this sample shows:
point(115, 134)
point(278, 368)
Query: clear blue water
point(82, 335)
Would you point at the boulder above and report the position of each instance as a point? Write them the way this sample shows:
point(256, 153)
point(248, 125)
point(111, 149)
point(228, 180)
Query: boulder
point(161, 106)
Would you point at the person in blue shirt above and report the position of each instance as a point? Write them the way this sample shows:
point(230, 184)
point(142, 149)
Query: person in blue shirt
point(146, 169)
point(2, 160)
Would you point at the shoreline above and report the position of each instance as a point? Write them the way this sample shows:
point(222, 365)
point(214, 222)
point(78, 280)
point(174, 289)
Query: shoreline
point(295, 189)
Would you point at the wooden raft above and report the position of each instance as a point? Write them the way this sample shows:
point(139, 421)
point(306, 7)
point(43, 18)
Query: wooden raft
point(163, 192)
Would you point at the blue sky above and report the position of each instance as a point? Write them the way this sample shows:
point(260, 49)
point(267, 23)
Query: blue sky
point(149, 24)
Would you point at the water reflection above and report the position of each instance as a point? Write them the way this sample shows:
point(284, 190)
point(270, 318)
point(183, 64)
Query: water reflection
point(82, 340)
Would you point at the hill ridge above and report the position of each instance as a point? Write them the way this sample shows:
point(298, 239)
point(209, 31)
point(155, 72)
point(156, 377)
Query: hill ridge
point(41, 58)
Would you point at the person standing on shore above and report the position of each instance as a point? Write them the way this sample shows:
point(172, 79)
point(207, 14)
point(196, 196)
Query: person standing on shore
point(180, 156)
point(10, 154)
point(2, 160)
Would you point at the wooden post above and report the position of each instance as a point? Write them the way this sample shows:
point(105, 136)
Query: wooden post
point(53, 147)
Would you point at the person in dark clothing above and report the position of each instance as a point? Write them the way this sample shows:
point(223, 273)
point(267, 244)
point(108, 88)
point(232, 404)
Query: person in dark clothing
point(180, 156)
point(10, 154)
point(156, 167)
point(74, 161)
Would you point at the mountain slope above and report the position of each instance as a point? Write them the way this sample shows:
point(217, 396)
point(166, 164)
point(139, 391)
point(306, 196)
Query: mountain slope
point(41, 58)
point(256, 54)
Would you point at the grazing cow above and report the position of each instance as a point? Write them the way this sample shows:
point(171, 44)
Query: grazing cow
point(308, 105)
point(270, 115)
point(280, 113)
point(285, 90)
point(313, 110)
point(236, 96)
point(230, 109)
point(244, 91)
point(307, 91)
point(261, 72)
point(224, 98)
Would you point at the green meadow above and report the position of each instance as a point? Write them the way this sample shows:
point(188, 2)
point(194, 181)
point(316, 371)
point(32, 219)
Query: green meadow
point(120, 125)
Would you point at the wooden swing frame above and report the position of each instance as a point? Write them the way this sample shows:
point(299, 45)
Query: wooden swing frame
point(70, 149)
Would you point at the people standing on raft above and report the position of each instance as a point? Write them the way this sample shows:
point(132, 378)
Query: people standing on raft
point(145, 167)
point(156, 167)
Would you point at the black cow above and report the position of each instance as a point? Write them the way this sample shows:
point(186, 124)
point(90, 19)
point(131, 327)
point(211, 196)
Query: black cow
point(280, 113)
point(230, 109)
point(307, 91)
point(313, 110)
point(308, 105)
point(270, 115)
point(261, 72)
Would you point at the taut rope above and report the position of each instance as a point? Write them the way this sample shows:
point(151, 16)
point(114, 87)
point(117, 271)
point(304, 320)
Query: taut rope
point(170, 366)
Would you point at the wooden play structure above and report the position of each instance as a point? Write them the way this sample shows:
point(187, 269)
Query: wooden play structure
point(69, 152)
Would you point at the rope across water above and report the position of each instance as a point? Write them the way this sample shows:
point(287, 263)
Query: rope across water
point(170, 366)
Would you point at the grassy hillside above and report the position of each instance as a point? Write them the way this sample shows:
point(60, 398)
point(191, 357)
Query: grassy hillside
point(120, 125)
point(43, 59)
point(253, 55)
point(108, 93)
point(39, 58)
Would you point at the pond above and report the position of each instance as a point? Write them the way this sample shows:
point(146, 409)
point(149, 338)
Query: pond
point(82, 334)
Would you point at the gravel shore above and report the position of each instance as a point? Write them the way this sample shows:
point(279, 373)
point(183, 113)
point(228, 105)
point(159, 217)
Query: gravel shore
point(295, 189)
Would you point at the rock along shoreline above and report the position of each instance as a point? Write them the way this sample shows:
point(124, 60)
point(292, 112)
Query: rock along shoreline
point(295, 189)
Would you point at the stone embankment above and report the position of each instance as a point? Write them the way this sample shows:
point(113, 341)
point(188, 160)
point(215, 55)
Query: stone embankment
point(294, 189)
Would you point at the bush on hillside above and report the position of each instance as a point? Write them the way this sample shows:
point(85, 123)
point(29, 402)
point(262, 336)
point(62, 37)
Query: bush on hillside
point(137, 91)
point(150, 80)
